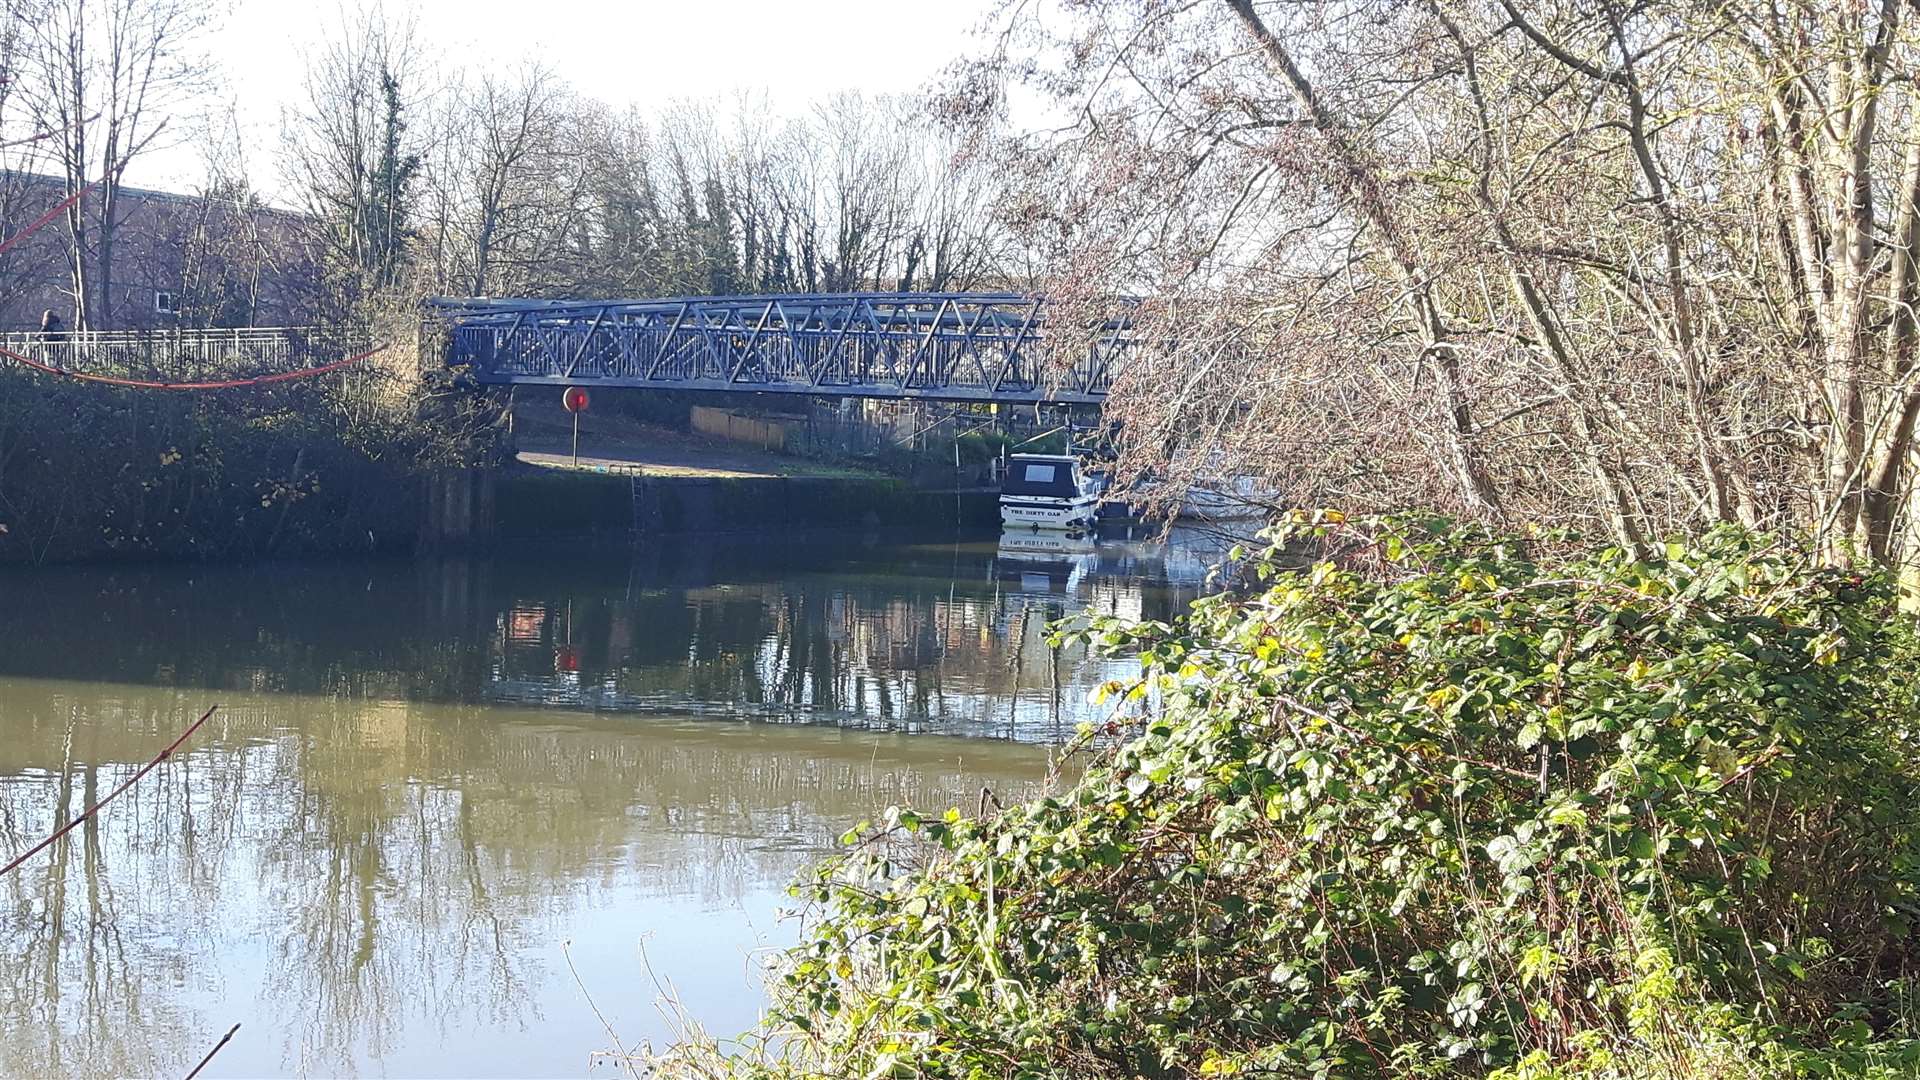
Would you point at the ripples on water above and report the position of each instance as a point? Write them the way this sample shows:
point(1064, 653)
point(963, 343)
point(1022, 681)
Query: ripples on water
point(427, 776)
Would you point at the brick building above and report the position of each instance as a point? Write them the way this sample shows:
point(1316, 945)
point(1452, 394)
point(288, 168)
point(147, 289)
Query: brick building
point(179, 260)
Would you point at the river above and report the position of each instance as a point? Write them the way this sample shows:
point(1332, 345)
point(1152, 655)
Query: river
point(443, 800)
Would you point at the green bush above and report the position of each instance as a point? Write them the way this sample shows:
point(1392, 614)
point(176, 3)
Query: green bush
point(90, 471)
point(979, 446)
point(1053, 442)
point(1439, 805)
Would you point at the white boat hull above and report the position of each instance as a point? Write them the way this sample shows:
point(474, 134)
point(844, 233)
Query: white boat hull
point(1066, 515)
point(1242, 499)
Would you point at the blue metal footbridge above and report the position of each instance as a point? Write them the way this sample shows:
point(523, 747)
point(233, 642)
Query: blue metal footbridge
point(989, 347)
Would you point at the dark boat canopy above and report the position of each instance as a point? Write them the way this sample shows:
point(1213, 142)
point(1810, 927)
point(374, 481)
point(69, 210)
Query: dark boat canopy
point(1049, 476)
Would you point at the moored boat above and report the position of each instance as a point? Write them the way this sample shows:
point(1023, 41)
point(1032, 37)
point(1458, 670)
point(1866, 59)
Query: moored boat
point(1047, 491)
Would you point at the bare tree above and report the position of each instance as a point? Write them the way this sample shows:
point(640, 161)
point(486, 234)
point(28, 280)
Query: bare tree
point(869, 194)
point(1647, 266)
point(352, 153)
point(507, 181)
point(23, 196)
point(623, 234)
point(108, 78)
point(237, 254)
point(953, 240)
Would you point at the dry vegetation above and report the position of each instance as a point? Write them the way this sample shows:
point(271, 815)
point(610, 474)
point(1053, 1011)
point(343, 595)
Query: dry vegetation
point(1646, 266)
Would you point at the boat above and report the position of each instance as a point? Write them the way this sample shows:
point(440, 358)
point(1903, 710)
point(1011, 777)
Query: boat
point(1044, 562)
point(1025, 546)
point(1238, 500)
point(1047, 491)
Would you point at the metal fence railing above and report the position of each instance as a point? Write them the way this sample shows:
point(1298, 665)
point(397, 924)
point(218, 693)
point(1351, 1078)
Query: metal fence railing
point(180, 355)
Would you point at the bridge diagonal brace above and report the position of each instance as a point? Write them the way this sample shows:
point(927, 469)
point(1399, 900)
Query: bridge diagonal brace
point(593, 327)
point(505, 343)
point(665, 352)
point(833, 352)
point(796, 348)
point(967, 343)
point(923, 350)
point(626, 345)
point(1103, 362)
point(882, 343)
point(712, 333)
point(1013, 351)
point(746, 351)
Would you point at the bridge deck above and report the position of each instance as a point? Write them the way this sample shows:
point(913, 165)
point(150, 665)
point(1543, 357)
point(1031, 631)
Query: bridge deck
point(940, 346)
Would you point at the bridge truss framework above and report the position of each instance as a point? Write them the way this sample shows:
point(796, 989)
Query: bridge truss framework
point(936, 346)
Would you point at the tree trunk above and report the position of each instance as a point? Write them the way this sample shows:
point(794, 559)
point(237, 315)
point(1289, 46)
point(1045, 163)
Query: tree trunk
point(1357, 181)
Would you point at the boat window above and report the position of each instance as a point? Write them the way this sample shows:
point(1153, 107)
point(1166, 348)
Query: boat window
point(1039, 474)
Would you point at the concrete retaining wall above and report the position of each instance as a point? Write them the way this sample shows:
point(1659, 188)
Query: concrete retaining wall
point(533, 504)
point(457, 508)
point(757, 431)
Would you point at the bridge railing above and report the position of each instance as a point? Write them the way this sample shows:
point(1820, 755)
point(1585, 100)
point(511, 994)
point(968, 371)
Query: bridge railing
point(955, 346)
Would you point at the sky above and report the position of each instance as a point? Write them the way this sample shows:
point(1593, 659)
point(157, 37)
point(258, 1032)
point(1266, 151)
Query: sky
point(642, 52)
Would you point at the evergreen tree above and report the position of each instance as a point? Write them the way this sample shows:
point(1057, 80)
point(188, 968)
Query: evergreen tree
point(388, 201)
point(716, 235)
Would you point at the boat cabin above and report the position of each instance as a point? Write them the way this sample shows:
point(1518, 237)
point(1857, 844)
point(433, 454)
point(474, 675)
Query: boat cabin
point(1047, 491)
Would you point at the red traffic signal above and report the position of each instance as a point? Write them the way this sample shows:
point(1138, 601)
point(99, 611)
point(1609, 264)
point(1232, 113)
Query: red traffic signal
point(575, 399)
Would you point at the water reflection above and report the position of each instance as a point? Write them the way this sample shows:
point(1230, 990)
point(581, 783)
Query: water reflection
point(377, 886)
point(947, 638)
point(426, 777)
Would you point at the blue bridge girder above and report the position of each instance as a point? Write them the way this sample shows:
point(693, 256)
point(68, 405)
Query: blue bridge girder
point(988, 347)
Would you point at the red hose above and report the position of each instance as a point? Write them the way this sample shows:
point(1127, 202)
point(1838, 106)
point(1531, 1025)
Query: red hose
point(114, 794)
point(58, 208)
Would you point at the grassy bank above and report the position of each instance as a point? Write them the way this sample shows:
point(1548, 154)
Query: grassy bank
point(90, 472)
point(1445, 805)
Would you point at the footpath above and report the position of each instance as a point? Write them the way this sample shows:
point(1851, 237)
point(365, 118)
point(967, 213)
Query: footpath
point(634, 479)
point(611, 443)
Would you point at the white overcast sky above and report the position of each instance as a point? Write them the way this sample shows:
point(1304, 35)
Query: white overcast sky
point(643, 52)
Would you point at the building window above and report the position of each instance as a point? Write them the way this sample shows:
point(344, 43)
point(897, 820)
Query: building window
point(163, 303)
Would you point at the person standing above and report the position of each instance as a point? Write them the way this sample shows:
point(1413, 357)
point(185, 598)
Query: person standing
point(51, 332)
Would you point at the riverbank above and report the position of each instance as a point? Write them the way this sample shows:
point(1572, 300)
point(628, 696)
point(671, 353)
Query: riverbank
point(613, 441)
point(355, 465)
point(535, 503)
point(635, 479)
point(90, 472)
point(1444, 805)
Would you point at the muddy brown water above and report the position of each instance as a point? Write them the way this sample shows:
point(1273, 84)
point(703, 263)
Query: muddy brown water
point(431, 783)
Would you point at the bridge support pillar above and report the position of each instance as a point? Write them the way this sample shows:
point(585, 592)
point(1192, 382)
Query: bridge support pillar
point(458, 509)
